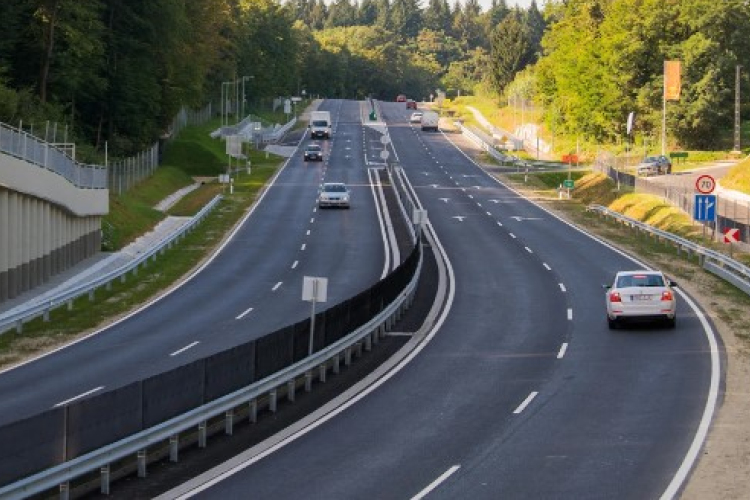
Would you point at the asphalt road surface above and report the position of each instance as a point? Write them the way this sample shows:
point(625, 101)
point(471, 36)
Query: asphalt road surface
point(522, 391)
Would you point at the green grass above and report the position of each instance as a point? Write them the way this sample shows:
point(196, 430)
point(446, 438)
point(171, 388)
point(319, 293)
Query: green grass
point(738, 178)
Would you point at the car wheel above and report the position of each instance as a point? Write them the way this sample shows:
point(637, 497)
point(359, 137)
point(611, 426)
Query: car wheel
point(671, 323)
point(612, 323)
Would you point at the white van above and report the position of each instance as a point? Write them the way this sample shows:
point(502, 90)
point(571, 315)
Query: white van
point(430, 120)
point(320, 124)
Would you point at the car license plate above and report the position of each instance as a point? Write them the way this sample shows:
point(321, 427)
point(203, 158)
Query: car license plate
point(636, 298)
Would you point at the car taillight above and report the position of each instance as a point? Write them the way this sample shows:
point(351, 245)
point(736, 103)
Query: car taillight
point(615, 297)
point(666, 295)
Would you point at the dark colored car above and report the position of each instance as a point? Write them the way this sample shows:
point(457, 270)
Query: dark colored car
point(411, 104)
point(313, 152)
point(401, 98)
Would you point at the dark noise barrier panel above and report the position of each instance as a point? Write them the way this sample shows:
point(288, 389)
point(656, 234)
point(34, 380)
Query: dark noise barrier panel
point(48, 439)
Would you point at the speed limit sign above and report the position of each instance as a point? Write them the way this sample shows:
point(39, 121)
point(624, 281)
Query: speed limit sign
point(705, 184)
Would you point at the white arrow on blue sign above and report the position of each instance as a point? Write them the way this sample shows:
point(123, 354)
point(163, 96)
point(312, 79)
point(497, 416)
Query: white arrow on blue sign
point(704, 209)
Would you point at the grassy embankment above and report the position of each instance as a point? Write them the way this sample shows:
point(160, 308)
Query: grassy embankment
point(192, 154)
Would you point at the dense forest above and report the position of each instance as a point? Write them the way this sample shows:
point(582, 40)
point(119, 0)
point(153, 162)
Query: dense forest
point(118, 70)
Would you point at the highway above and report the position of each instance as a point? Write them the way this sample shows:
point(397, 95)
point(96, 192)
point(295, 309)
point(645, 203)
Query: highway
point(522, 391)
point(251, 287)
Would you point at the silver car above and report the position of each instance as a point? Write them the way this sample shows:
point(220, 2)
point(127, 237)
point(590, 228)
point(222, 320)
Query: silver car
point(334, 194)
point(641, 295)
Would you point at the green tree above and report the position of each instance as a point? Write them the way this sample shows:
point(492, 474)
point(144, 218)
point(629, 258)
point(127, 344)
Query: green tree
point(511, 50)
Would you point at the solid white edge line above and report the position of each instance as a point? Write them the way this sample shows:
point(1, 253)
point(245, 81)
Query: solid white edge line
point(563, 350)
point(525, 403)
point(708, 411)
point(437, 482)
point(375, 189)
point(245, 313)
point(83, 395)
point(189, 346)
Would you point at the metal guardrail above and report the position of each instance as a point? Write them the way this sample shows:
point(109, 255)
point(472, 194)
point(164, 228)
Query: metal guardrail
point(715, 262)
point(35, 309)
point(17, 143)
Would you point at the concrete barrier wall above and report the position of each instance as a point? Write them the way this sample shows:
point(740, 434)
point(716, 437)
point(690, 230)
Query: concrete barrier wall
point(47, 225)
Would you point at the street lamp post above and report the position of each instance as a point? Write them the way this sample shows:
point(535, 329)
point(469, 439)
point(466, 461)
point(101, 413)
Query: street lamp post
point(242, 105)
point(224, 107)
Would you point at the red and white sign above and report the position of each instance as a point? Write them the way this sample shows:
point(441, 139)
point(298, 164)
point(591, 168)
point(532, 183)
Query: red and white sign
point(731, 235)
point(705, 184)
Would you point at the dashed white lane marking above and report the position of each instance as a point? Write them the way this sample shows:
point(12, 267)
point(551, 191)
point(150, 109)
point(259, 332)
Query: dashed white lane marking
point(570, 314)
point(489, 214)
point(512, 235)
point(304, 245)
point(189, 346)
point(295, 264)
point(525, 403)
point(471, 196)
point(528, 250)
point(500, 224)
point(312, 220)
point(563, 350)
point(437, 482)
point(87, 393)
point(276, 286)
point(562, 287)
point(546, 266)
point(244, 313)
point(308, 232)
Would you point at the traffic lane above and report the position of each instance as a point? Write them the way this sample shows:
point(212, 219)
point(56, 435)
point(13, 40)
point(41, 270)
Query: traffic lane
point(487, 358)
point(144, 342)
point(594, 324)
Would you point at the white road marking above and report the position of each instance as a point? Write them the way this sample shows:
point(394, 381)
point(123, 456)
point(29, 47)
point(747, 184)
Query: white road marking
point(562, 287)
point(528, 250)
point(276, 286)
point(312, 220)
point(525, 403)
point(563, 350)
point(87, 393)
point(570, 314)
point(430, 487)
point(500, 224)
point(479, 205)
point(489, 214)
point(546, 266)
point(308, 232)
point(459, 217)
point(304, 245)
point(245, 313)
point(180, 351)
point(471, 196)
point(512, 235)
point(295, 264)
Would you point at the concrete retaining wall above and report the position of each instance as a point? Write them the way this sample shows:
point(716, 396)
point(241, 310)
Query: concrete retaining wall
point(47, 225)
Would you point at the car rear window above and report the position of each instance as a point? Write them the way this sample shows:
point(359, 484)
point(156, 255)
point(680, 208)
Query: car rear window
point(640, 280)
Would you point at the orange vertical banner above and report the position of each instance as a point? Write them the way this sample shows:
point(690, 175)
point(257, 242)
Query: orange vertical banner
point(672, 80)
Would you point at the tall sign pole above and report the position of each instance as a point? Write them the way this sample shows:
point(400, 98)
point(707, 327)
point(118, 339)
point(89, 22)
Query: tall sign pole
point(671, 93)
point(737, 144)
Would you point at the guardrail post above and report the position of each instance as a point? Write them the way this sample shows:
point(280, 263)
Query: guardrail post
point(174, 448)
point(64, 491)
point(19, 326)
point(108, 286)
point(368, 342)
point(45, 317)
point(202, 435)
point(229, 423)
point(322, 372)
point(104, 473)
point(308, 381)
point(142, 472)
point(347, 356)
point(291, 387)
point(91, 295)
point(70, 305)
point(252, 412)
point(359, 349)
point(336, 363)
point(122, 278)
point(272, 401)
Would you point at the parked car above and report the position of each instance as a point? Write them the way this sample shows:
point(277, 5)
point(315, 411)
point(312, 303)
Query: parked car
point(654, 165)
point(641, 296)
point(313, 152)
point(411, 104)
point(333, 194)
point(401, 98)
point(416, 117)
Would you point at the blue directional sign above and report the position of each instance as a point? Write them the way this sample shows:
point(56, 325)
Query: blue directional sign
point(704, 209)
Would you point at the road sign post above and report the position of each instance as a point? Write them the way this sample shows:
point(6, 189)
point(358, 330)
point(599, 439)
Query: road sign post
point(314, 290)
point(731, 236)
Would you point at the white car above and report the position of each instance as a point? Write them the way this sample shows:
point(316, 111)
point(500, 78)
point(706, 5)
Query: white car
point(416, 117)
point(333, 194)
point(640, 296)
